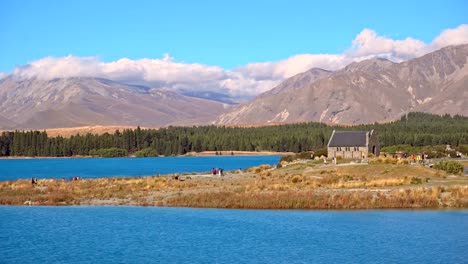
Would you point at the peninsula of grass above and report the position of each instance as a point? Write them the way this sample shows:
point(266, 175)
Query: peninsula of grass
point(302, 184)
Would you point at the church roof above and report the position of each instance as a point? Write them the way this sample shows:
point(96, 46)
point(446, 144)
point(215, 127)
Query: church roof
point(348, 139)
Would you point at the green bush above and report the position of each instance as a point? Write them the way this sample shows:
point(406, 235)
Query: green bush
point(396, 148)
point(302, 156)
point(287, 158)
point(321, 152)
point(450, 166)
point(147, 152)
point(109, 152)
point(416, 180)
point(463, 149)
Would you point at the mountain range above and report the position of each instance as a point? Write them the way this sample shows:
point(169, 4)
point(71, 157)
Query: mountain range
point(36, 104)
point(365, 92)
point(362, 92)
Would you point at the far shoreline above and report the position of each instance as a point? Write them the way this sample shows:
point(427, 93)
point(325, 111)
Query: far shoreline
point(223, 153)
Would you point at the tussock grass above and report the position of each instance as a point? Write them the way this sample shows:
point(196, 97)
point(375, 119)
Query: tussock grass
point(258, 169)
point(57, 192)
point(370, 183)
point(296, 186)
point(455, 196)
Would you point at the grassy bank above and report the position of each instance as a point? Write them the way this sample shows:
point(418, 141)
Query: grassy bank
point(434, 197)
point(297, 185)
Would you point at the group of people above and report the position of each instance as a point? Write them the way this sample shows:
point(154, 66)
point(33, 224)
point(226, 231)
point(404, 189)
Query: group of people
point(219, 171)
point(75, 178)
point(421, 159)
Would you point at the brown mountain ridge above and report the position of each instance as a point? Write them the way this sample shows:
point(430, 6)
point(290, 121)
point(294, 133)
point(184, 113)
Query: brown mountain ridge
point(369, 91)
point(365, 92)
point(72, 102)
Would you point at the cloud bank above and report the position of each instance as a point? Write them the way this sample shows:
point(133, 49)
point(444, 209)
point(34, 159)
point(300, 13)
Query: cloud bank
point(243, 82)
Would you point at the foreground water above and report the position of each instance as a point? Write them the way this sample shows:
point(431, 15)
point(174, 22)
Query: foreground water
point(175, 235)
point(12, 169)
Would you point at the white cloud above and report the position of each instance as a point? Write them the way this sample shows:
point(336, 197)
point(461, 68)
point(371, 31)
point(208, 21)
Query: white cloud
point(368, 43)
point(448, 37)
point(245, 81)
point(50, 68)
point(300, 63)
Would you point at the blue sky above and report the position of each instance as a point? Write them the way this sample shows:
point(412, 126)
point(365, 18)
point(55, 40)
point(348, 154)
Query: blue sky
point(227, 34)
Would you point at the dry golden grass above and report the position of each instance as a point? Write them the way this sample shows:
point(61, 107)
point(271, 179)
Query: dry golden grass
point(371, 183)
point(436, 197)
point(53, 192)
point(298, 186)
point(259, 169)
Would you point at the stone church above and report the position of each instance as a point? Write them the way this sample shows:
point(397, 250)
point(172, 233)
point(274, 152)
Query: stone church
point(353, 144)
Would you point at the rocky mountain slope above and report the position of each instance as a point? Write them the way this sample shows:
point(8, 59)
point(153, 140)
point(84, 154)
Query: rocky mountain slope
point(36, 104)
point(365, 92)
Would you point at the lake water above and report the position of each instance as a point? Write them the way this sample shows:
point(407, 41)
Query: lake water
point(176, 235)
point(12, 169)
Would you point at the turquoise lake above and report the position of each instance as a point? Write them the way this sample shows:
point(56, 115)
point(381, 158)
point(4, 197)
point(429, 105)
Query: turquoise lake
point(185, 235)
point(12, 169)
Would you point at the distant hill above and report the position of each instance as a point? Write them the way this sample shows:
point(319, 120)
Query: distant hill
point(71, 102)
point(375, 90)
point(365, 92)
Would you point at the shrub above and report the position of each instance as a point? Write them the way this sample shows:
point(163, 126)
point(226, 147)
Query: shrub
point(147, 152)
point(348, 178)
point(451, 153)
point(416, 180)
point(304, 155)
point(390, 160)
point(463, 149)
point(376, 160)
point(287, 158)
point(109, 152)
point(321, 152)
point(450, 166)
point(296, 178)
point(403, 161)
